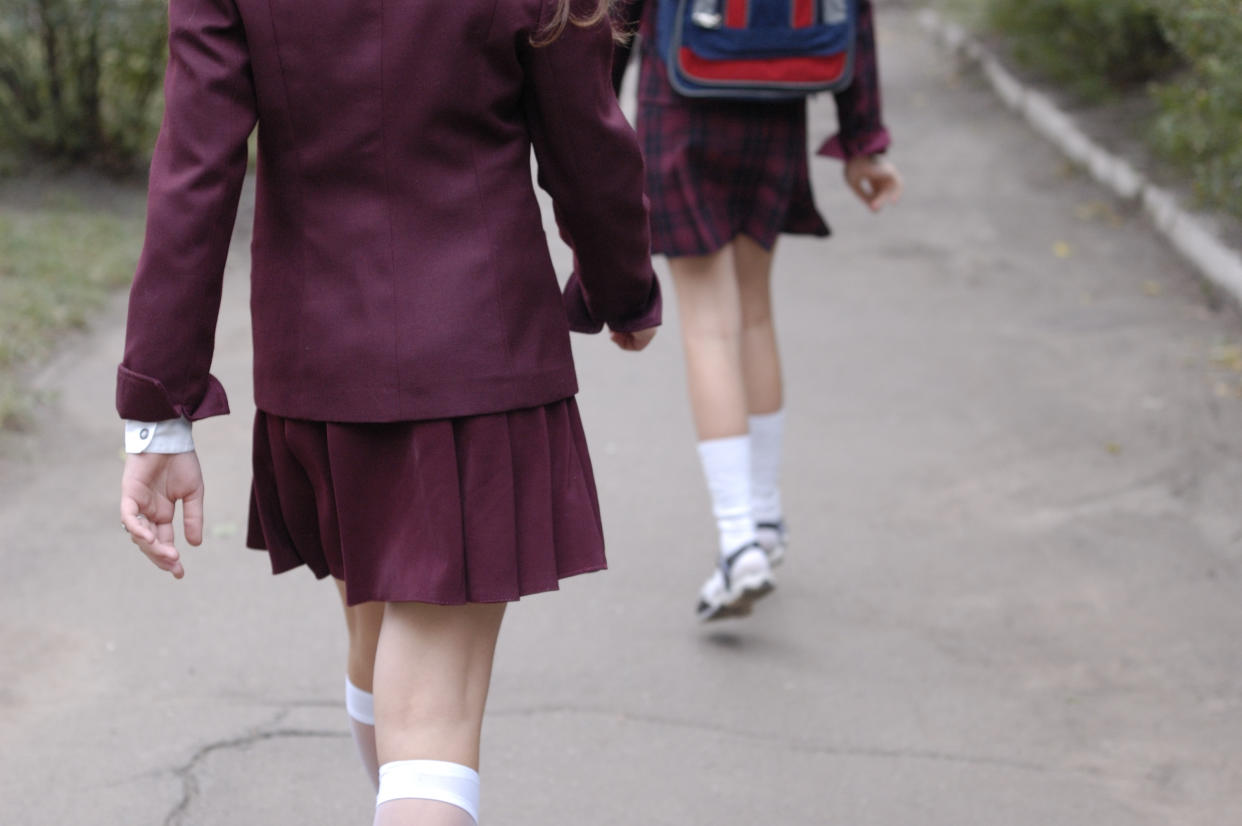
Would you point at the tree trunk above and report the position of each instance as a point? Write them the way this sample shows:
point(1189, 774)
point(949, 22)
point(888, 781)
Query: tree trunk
point(49, 24)
point(89, 72)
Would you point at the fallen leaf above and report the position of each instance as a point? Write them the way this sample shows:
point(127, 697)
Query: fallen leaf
point(1113, 448)
point(1152, 288)
point(1098, 211)
point(1228, 355)
point(1061, 250)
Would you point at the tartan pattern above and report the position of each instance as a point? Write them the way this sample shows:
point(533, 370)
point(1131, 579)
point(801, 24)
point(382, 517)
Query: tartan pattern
point(717, 168)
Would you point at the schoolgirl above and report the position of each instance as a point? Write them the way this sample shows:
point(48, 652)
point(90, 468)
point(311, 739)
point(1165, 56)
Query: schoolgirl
point(725, 179)
point(416, 435)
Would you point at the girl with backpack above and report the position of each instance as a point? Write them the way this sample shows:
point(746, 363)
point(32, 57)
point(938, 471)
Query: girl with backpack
point(726, 178)
point(416, 436)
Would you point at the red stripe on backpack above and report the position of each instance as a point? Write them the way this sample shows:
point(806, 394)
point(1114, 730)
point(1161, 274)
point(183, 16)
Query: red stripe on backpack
point(737, 13)
point(783, 70)
point(803, 13)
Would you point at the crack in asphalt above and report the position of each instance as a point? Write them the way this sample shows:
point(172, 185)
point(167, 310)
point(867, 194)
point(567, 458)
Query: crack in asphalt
point(263, 733)
point(270, 731)
point(792, 743)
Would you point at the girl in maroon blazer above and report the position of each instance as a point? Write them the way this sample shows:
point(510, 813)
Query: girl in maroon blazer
point(725, 179)
point(416, 435)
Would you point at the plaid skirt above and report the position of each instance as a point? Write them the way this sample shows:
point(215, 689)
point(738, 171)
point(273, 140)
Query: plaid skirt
point(717, 169)
point(483, 508)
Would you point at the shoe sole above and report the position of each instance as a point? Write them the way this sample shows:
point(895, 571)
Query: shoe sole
point(749, 592)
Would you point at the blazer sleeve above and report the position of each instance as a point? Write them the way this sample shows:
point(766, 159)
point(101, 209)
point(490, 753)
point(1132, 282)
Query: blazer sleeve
point(197, 171)
point(589, 162)
point(859, 113)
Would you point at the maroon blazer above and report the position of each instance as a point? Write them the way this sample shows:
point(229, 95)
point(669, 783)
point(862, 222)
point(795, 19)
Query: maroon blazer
point(400, 267)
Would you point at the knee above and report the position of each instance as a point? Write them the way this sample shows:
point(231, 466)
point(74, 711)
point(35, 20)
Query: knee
point(419, 724)
point(421, 706)
point(712, 327)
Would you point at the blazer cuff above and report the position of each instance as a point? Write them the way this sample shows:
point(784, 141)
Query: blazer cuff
point(145, 399)
point(868, 143)
point(651, 314)
point(576, 308)
point(582, 320)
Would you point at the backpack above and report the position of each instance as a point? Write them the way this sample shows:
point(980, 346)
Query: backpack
point(757, 49)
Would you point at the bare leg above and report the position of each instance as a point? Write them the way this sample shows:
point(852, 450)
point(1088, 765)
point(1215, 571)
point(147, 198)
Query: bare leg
point(761, 362)
point(362, 622)
point(709, 307)
point(761, 365)
point(433, 667)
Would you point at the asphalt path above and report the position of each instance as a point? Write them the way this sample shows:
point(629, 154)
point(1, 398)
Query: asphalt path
point(1014, 468)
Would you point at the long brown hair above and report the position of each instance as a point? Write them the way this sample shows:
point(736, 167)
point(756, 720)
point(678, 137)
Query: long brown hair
point(564, 16)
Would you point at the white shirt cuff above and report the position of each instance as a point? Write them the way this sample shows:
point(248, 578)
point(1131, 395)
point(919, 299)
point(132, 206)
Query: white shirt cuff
point(170, 436)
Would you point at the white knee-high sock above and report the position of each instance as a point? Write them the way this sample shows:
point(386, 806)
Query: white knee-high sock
point(766, 431)
point(360, 706)
point(726, 466)
point(402, 781)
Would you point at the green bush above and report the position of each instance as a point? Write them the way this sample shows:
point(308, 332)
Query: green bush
point(1187, 52)
point(1091, 46)
point(79, 78)
point(1200, 126)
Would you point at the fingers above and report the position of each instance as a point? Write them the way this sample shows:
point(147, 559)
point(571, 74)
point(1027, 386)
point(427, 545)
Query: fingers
point(148, 498)
point(861, 186)
point(881, 191)
point(142, 521)
point(889, 191)
point(875, 181)
point(633, 341)
point(134, 522)
point(192, 517)
point(155, 540)
point(643, 337)
point(625, 341)
point(885, 193)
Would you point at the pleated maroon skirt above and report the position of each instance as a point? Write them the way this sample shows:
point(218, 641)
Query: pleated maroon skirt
point(483, 508)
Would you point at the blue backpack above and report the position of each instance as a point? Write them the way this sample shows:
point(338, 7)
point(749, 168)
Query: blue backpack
point(757, 49)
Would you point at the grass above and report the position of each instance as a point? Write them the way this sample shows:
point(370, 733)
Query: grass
point(65, 246)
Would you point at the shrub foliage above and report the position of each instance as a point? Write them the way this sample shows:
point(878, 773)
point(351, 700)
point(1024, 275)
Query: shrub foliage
point(1201, 121)
point(79, 78)
point(1188, 52)
point(1092, 46)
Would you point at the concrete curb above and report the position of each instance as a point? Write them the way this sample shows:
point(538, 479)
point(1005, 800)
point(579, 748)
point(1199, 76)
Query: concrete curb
point(1189, 234)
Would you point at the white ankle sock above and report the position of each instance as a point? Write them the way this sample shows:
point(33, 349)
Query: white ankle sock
point(765, 465)
point(360, 706)
point(446, 782)
point(726, 466)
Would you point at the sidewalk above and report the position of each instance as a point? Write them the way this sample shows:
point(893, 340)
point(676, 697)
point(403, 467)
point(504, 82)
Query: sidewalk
point(1014, 473)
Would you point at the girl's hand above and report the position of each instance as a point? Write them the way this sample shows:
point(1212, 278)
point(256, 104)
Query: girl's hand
point(874, 180)
point(150, 487)
point(634, 341)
